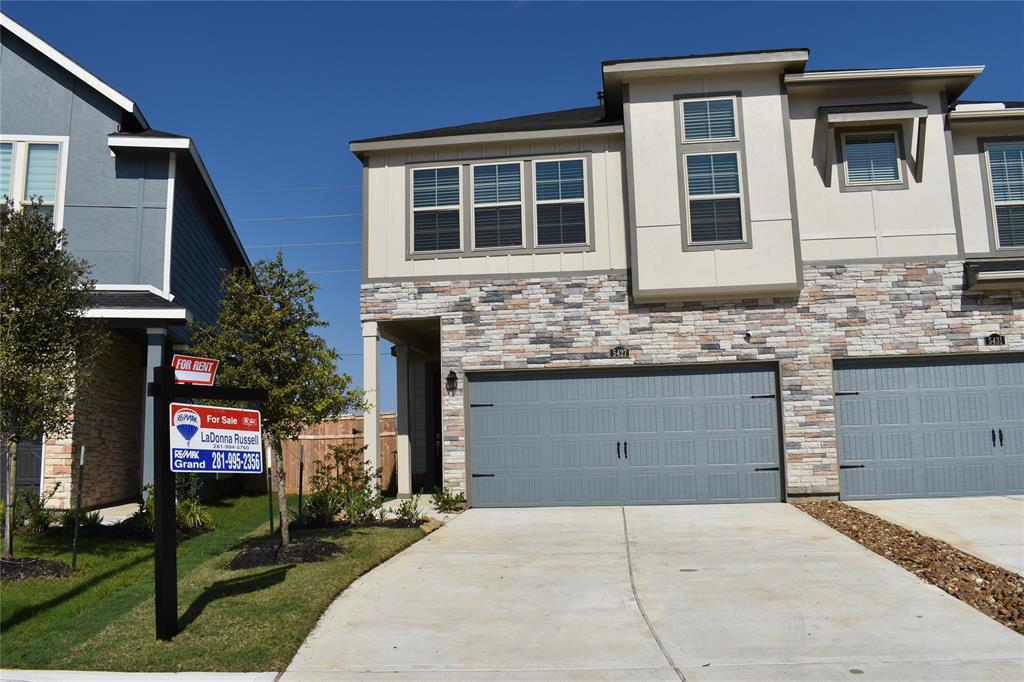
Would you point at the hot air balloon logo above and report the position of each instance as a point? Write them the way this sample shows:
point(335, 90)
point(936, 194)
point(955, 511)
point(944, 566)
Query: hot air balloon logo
point(187, 423)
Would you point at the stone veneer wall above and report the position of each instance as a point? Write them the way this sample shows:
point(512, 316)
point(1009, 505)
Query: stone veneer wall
point(108, 422)
point(885, 309)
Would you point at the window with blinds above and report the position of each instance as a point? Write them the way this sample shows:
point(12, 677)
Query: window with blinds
point(6, 158)
point(560, 188)
point(436, 216)
point(1006, 176)
point(30, 174)
point(497, 206)
point(871, 158)
point(714, 197)
point(709, 119)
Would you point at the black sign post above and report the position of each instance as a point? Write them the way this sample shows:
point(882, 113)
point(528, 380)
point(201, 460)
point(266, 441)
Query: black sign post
point(164, 390)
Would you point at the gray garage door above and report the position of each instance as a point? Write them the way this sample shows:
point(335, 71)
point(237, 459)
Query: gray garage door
point(930, 427)
point(593, 438)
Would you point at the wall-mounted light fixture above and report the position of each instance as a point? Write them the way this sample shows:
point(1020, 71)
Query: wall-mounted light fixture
point(451, 382)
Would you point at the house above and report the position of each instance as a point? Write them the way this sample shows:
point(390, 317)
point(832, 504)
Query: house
point(139, 205)
point(735, 279)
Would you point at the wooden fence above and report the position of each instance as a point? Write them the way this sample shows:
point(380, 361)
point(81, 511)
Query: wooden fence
point(348, 430)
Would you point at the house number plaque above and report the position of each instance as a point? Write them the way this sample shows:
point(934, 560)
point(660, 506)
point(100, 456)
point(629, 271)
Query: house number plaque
point(990, 340)
point(620, 352)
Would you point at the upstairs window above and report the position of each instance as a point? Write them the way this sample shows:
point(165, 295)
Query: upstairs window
point(1006, 173)
point(561, 202)
point(436, 215)
point(871, 158)
point(714, 198)
point(497, 206)
point(41, 176)
point(6, 158)
point(709, 119)
point(31, 171)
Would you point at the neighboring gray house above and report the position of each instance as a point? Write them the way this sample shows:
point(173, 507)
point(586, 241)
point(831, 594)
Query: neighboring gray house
point(735, 279)
point(137, 204)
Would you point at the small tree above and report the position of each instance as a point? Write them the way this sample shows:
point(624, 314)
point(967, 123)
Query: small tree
point(47, 348)
point(265, 338)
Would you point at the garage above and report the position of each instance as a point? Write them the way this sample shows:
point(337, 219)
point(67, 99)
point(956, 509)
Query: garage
point(592, 437)
point(930, 427)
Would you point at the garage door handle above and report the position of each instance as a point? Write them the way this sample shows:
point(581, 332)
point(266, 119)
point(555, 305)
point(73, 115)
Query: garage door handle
point(847, 392)
point(766, 469)
point(625, 448)
point(765, 395)
point(618, 450)
point(481, 404)
point(851, 466)
point(993, 437)
point(1000, 438)
point(483, 475)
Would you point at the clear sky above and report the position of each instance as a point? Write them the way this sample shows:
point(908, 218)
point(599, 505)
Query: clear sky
point(273, 92)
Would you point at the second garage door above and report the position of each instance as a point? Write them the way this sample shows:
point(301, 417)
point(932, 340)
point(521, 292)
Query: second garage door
point(685, 435)
point(930, 427)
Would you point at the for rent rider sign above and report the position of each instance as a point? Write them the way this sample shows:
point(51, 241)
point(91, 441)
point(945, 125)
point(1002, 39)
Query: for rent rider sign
point(215, 440)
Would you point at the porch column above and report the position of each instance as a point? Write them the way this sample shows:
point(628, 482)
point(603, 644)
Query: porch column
point(156, 338)
point(403, 460)
point(371, 378)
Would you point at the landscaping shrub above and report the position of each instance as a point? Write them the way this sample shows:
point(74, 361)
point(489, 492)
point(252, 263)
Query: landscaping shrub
point(30, 513)
point(320, 509)
point(408, 511)
point(343, 476)
point(87, 520)
point(191, 515)
point(446, 501)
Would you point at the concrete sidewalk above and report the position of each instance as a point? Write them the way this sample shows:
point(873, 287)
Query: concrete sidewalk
point(94, 676)
point(715, 592)
point(990, 528)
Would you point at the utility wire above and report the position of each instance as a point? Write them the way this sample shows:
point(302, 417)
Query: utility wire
point(328, 272)
point(296, 244)
point(293, 189)
point(298, 217)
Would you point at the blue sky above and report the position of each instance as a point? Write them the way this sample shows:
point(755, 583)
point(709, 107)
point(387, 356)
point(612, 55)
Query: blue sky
point(273, 92)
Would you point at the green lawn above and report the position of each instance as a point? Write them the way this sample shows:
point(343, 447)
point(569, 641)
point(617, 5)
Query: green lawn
point(101, 618)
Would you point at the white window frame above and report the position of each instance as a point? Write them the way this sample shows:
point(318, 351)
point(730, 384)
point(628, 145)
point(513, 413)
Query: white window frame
point(537, 203)
point(413, 210)
point(876, 133)
point(708, 140)
point(499, 204)
point(992, 193)
point(19, 169)
point(701, 197)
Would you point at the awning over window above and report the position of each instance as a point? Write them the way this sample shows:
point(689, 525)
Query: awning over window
point(994, 274)
point(902, 114)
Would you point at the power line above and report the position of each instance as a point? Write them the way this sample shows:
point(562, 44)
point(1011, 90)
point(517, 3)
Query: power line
point(298, 217)
point(328, 272)
point(293, 189)
point(296, 244)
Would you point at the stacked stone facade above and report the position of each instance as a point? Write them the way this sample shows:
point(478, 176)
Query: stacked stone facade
point(108, 422)
point(842, 311)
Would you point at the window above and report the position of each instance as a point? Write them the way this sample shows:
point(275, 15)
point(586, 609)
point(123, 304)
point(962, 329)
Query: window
point(41, 176)
point(1006, 172)
point(497, 206)
point(714, 199)
point(561, 202)
point(871, 158)
point(709, 119)
point(31, 170)
point(6, 157)
point(436, 216)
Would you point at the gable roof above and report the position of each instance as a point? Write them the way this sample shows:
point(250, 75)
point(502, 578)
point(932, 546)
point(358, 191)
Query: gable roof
point(75, 69)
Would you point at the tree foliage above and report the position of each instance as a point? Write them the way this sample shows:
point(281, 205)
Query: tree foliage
point(47, 348)
point(265, 337)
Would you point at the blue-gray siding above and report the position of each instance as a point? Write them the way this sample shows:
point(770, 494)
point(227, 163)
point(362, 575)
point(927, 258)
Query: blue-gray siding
point(935, 427)
point(671, 436)
point(113, 206)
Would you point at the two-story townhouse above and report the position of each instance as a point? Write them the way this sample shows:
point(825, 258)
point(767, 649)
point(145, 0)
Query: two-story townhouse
point(736, 279)
point(138, 204)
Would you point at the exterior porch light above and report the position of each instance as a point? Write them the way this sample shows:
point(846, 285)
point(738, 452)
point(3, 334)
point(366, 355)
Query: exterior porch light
point(451, 382)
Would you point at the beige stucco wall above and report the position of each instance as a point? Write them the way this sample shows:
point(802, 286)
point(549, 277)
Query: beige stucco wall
point(662, 261)
point(388, 223)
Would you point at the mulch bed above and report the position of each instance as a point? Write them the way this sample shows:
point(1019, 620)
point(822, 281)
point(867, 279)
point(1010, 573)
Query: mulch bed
point(19, 569)
point(299, 551)
point(995, 591)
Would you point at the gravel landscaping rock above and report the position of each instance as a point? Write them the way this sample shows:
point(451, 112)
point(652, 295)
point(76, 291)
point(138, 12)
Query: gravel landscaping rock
point(301, 551)
point(19, 569)
point(995, 591)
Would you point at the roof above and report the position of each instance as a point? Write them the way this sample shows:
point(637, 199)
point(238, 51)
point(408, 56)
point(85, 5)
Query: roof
point(135, 305)
point(705, 55)
point(75, 69)
point(865, 108)
point(582, 117)
point(131, 299)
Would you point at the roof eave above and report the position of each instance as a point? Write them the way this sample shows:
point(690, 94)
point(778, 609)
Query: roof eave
point(956, 79)
point(362, 148)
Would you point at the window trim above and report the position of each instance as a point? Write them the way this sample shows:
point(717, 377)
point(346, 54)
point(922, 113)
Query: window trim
point(585, 200)
point(421, 209)
point(19, 170)
point(499, 204)
point(709, 97)
point(990, 198)
point(883, 186)
point(706, 197)
point(846, 134)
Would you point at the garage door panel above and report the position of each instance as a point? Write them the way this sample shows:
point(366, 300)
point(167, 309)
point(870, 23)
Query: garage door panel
point(929, 426)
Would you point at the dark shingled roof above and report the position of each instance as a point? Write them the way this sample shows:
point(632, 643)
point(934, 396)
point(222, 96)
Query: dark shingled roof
point(1009, 104)
point(584, 117)
point(883, 106)
point(995, 265)
point(609, 62)
point(150, 132)
point(131, 299)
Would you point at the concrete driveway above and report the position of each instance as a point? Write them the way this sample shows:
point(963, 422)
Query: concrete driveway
point(720, 592)
point(990, 528)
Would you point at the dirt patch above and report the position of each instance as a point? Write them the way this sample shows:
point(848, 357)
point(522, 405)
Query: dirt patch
point(995, 591)
point(19, 569)
point(301, 551)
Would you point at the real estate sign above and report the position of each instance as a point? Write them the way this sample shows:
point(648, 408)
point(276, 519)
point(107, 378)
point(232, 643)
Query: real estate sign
point(215, 440)
point(189, 369)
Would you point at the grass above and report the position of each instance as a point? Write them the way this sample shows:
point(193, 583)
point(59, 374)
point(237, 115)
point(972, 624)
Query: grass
point(101, 618)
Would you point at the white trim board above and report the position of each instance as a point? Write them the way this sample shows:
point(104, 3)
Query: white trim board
point(138, 314)
point(410, 143)
point(147, 288)
point(169, 221)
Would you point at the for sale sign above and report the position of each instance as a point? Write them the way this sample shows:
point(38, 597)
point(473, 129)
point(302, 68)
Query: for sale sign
point(220, 440)
point(192, 370)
